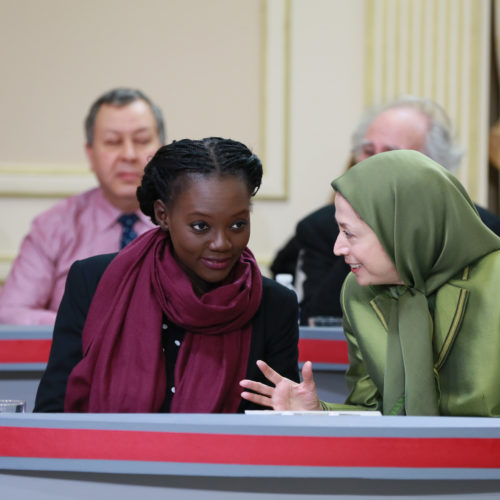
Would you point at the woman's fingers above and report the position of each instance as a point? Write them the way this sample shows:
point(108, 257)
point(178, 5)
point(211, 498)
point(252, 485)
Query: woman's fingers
point(258, 399)
point(286, 395)
point(269, 373)
point(307, 373)
point(257, 387)
point(263, 394)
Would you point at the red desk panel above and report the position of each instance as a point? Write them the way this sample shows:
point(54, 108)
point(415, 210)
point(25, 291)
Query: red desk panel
point(18, 347)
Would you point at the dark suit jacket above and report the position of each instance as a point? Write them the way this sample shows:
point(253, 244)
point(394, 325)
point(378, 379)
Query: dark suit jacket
point(274, 333)
point(490, 219)
point(324, 272)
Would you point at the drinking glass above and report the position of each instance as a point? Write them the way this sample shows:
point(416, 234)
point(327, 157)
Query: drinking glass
point(12, 406)
point(325, 321)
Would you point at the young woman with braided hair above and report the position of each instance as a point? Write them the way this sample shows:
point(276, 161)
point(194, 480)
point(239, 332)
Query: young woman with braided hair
point(177, 318)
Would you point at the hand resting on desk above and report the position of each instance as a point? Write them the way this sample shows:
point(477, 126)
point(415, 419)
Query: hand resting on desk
point(286, 394)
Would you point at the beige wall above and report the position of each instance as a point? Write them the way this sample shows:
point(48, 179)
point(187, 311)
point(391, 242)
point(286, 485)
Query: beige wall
point(326, 92)
point(199, 59)
point(289, 78)
point(285, 77)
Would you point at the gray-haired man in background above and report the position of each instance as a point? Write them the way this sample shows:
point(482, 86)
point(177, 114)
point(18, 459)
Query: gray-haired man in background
point(406, 123)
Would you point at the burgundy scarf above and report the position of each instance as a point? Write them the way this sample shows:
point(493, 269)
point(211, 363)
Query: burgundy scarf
point(123, 365)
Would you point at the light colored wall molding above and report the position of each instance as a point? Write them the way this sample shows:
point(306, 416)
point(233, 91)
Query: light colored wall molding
point(43, 180)
point(437, 49)
point(275, 99)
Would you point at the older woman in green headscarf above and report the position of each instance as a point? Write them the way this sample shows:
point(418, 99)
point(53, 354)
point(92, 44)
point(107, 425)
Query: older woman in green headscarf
point(421, 305)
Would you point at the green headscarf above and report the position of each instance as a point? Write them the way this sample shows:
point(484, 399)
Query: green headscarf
point(429, 227)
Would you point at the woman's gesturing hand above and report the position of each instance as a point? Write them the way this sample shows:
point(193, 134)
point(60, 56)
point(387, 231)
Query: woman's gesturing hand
point(286, 394)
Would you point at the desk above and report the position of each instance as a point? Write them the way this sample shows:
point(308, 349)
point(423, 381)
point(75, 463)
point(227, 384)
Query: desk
point(24, 351)
point(24, 348)
point(326, 347)
point(315, 453)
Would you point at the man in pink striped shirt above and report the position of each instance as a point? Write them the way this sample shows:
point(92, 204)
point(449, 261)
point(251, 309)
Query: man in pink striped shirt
point(124, 128)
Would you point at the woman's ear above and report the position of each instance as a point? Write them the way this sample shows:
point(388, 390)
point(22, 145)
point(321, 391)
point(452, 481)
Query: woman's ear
point(161, 214)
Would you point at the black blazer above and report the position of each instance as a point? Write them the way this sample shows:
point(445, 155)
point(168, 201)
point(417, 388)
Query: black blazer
point(274, 333)
point(324, 272)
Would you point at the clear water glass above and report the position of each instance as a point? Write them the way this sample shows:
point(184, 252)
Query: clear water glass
point(12, 406)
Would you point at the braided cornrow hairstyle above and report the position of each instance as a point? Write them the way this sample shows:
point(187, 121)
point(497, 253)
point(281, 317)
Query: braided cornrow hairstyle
point(173, 166)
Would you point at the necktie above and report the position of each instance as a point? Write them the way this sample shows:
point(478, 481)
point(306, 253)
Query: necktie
point(128, 234)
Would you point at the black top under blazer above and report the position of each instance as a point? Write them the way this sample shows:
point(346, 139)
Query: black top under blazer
point(274, 333)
